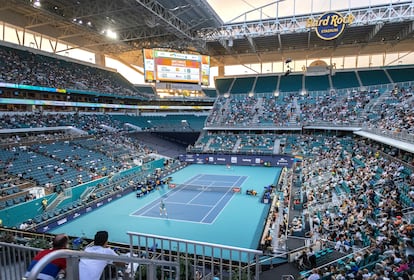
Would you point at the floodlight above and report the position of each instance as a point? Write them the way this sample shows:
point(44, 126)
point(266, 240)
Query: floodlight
point(111, 34)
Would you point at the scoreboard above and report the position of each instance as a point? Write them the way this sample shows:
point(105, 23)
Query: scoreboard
point(167, 66)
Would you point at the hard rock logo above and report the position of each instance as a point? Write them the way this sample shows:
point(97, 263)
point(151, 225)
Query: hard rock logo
point(330, 25)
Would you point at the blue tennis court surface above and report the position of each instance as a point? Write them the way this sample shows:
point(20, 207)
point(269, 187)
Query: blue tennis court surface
point(194, 201)
point(238, 219)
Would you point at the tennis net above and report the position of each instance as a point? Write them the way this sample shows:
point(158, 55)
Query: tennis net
point(204, 188)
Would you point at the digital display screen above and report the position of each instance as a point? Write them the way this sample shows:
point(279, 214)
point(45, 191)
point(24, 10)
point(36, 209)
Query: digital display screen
point(167, 66)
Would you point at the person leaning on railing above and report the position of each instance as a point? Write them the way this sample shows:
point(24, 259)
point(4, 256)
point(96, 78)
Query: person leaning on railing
point(91, 269)
point(55, 267)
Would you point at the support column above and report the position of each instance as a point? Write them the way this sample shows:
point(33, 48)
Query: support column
point(100, 59)
point(221, 71)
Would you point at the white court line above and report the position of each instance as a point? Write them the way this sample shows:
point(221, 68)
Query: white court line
point(186, 204)
point(200, 192)
point(241, 177)
point(215, 205)
point(217, 175)
point(225, 205)
point(195, 178)
point(148, 204)
point(173, 192)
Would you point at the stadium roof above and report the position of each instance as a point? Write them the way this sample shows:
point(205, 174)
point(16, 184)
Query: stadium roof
point(195, 25)
point(400, 144)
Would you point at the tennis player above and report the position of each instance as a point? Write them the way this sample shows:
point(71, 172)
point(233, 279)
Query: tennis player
point(163, 209)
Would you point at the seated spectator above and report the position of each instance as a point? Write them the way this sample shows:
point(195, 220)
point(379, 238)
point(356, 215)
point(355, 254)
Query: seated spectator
point(91, 269)
point(315, 275)
point(55, 267)
point(251, 192)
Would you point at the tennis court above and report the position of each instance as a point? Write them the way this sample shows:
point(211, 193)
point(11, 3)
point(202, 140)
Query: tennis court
point(200, 199)
point(221, 217)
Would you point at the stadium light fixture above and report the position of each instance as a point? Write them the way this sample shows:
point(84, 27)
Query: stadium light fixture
point(111, 34)
point(37, 4)
point(276, 93)
point(179, 7)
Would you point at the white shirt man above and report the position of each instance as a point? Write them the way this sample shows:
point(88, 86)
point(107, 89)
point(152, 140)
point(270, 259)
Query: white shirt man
point(91, 269)
point(315, 275)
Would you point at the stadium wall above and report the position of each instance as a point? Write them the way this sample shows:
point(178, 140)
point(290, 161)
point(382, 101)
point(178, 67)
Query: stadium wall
point(81, 211)
point(15, 215)
point(246, 160)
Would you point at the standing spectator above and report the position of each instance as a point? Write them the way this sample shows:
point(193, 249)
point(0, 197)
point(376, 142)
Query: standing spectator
point(56, 266)
point(91, 269)
point(311, 257)
point(44, 204)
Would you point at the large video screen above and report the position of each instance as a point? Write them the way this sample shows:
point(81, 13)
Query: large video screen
point(167, 66)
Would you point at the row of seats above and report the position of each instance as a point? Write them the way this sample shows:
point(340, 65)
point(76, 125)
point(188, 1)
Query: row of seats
point(296, 82)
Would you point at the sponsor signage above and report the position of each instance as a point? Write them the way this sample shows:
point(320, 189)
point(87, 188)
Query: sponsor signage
point(79, 211)
point(62, 221)
point(330, 25)
point(247, 160)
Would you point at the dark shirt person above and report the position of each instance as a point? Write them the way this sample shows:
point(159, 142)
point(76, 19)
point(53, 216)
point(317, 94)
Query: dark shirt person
point(52, 269)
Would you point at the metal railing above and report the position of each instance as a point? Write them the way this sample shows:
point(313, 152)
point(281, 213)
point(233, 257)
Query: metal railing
point(199, 259)
point(287, 277)
point(401, 135)
point(345, 258)
point(14, 260)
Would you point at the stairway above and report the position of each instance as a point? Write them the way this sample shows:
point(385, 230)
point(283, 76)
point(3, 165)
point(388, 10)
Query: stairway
point(372, 105)
point(259, 107)
point(207, 145)
point(276, 147)
point(61, 197)
point(236, 145)
point(295, 112)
